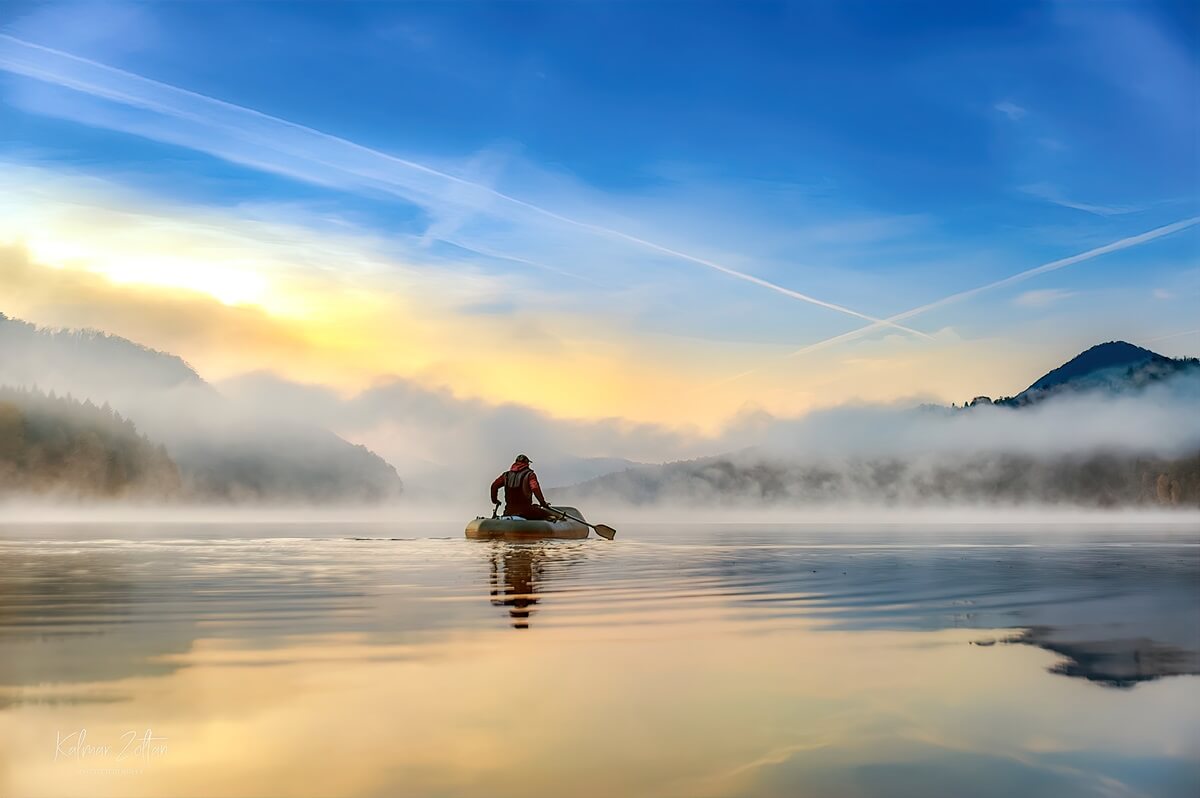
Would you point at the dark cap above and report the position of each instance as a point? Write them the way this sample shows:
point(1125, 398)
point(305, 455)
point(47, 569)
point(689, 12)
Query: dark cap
point(522, 459)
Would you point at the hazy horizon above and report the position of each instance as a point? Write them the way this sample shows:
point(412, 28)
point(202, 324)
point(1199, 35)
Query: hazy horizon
point(448, 449)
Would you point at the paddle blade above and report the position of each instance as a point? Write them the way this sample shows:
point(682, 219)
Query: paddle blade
point(606, 532)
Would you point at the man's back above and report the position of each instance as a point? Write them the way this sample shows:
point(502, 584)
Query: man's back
point(521, 487)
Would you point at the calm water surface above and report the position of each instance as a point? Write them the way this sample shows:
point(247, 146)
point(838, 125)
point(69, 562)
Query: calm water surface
point(373, 660)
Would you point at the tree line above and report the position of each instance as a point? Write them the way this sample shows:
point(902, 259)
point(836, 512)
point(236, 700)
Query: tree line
point(59, 446)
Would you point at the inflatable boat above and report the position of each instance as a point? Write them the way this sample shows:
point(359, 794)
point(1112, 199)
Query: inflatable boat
point(508, 527)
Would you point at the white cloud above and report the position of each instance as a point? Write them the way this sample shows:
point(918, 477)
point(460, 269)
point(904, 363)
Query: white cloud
point(1053, 194)
point(1042, 298)
point(1162, 293)
point(1011, 110)
point(1158, 420)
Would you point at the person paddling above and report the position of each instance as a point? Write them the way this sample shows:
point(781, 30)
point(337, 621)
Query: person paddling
point(520, 489)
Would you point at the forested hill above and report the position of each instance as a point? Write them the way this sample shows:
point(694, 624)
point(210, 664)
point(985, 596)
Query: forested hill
point(63, 448)
point(1112, 368)
point(224, 452)
point(86, 362)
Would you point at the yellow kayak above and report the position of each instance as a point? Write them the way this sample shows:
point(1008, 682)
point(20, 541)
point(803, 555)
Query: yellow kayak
point(514, 528)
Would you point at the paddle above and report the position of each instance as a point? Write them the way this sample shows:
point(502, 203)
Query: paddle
point(606, 532)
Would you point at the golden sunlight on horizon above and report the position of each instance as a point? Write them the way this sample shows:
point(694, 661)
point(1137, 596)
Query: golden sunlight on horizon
point(233, 296)
point(352, 339)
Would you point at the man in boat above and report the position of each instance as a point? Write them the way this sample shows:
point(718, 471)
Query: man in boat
point(520, 489)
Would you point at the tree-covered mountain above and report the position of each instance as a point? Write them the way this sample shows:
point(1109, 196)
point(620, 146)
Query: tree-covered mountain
point(246, 460)
point(1053, 443)
point(1116, 367)
point(60, 447)
point(87, 363)
point(223, 453)
point(1101, 357)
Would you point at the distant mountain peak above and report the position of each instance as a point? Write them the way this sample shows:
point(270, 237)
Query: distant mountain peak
point(1113, 354)
point(1115, 367)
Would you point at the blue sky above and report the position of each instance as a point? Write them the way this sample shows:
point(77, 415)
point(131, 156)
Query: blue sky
point(752, 178)
point(867, 97)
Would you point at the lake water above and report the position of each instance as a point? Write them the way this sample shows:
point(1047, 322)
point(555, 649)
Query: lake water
point(375, 660)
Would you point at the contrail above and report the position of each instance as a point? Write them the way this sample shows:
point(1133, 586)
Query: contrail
point(1172, 335)
point(28, 59)
point(488, 253)
point(1054, 265)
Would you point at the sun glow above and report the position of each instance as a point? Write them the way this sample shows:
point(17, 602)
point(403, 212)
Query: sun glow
point(233, 295)
point(228, 283)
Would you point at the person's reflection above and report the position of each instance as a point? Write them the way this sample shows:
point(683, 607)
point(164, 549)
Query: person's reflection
point(520, 571)
point(516, 573)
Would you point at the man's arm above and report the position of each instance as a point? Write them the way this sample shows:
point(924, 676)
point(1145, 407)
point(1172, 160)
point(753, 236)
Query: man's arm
point(537, 490)
point(496, 489)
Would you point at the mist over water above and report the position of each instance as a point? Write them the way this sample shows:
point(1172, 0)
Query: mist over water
point(403, 422)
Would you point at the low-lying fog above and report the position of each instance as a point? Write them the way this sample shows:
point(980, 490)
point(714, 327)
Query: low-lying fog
point(264, 441)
